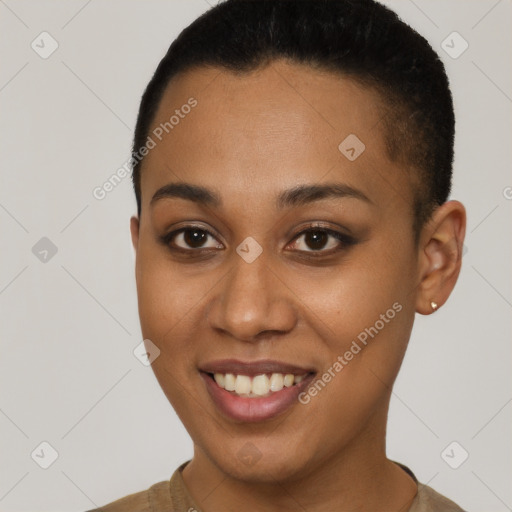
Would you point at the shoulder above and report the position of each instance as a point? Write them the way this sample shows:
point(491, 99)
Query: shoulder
point(429, 500)
point(155, 499)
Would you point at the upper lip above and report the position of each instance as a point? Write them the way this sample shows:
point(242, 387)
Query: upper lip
point(252, 368)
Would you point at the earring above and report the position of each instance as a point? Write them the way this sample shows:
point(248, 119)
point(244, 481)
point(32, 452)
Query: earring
point(433, 305)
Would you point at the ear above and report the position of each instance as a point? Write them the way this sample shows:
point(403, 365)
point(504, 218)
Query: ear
point(134, 229)
point(440, 256)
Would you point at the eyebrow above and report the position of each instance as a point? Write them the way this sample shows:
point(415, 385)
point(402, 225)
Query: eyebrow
point(293, 197)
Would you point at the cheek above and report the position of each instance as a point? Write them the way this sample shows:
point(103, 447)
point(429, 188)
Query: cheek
point(360, 366)
point(354, 296)
point(167, 301)
point(363, 318)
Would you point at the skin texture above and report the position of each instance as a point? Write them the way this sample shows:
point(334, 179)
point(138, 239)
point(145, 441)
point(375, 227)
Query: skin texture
point(250, 137)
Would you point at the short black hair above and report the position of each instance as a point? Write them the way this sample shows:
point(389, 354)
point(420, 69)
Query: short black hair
point(359, 39)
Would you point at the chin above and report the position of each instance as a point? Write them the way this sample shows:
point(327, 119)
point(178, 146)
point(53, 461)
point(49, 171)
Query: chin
point(245, 462)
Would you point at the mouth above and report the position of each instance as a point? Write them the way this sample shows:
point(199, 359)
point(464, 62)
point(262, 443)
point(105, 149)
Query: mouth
point(256, 391)
point(258, 386)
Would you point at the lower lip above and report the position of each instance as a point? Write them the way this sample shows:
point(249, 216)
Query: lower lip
point(254, 409)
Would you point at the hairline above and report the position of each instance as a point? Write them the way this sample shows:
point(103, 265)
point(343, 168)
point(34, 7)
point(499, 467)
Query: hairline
point(420, 210)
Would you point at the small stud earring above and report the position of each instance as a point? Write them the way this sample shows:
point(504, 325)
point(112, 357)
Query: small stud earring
point(433, 305)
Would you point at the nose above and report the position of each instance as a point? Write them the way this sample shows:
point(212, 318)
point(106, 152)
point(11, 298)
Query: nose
point(253, 302)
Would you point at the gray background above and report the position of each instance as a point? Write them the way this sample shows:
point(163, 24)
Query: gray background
point(69, 325)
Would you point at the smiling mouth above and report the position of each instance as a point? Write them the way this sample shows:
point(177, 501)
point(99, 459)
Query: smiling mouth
point(257, 386)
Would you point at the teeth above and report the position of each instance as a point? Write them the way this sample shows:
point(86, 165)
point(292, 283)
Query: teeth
point(259, 385)
point(242, 385)
point(288, 380)
point(276, 382)
point(229, 381)
point(219, 379)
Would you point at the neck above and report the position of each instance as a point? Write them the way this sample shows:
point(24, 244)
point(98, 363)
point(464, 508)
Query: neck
point(357, 478)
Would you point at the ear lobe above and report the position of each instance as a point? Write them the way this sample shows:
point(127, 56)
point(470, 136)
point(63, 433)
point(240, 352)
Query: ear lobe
point(440, 257)
point(134, 230)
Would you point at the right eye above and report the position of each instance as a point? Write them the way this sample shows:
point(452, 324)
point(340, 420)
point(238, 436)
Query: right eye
point(189, 239)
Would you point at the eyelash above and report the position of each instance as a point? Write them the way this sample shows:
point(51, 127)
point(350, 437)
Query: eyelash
point(346, 240)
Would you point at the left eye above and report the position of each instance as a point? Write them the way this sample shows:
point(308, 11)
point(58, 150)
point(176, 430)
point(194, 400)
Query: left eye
point(316, 240)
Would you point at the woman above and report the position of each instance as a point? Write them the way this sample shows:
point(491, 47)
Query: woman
point(292, 163)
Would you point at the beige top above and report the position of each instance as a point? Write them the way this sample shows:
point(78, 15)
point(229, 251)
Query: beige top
point(173, 496)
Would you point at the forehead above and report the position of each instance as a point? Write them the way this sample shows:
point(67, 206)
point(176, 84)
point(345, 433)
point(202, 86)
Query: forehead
point(282, 124)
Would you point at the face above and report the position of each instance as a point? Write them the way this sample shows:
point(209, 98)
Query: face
point(269, 276)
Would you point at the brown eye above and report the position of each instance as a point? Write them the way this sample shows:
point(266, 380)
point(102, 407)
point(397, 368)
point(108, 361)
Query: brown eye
point(190, 239)
point(317, 240)
point(194, 237)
